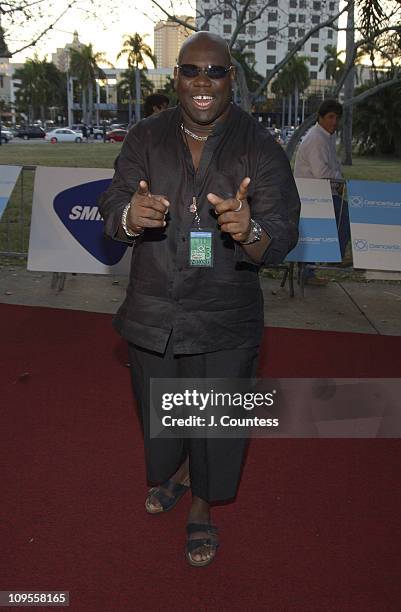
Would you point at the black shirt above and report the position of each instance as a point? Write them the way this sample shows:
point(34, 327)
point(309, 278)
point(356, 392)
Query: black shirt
point(214, 308)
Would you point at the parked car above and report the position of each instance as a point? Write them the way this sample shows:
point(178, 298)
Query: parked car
point(118, 126)
point(63, 135)
point(6, 135)
point(97, 132)
point(116, 135)
point(31, 131)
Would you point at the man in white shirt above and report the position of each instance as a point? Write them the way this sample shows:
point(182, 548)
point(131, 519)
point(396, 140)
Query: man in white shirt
point(317, 158)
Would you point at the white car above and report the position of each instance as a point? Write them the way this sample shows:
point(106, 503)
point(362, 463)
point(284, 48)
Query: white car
point(63, 135)
point(6, 135)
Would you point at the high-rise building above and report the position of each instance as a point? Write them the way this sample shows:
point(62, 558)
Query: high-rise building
point(169, 37)
point(281, 24)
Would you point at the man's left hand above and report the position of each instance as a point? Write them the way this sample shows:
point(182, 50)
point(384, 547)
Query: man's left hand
point(235, 222)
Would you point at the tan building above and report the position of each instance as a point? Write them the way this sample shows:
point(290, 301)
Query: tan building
point(169, 37)
point(60, 57)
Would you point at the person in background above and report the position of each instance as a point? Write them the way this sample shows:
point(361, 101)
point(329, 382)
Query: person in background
point(155, 103)
point(85, 132)
point(316, 158)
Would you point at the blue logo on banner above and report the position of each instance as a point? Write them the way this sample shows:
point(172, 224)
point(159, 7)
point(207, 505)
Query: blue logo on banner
point(77, 208)
point(360, 244)
point(363, 245)
point(356, 201)
point(374, 203)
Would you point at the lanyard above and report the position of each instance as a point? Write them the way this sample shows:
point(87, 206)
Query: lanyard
point(200, 241)
point(193, 206)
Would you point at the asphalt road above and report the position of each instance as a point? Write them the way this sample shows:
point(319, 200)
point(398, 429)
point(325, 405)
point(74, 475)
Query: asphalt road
point(42, 142)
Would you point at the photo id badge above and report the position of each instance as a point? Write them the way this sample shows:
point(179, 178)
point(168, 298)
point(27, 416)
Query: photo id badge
point(201, 248)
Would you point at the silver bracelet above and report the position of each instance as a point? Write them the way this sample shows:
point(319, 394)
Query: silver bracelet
point(124, 223)
point(255, 233)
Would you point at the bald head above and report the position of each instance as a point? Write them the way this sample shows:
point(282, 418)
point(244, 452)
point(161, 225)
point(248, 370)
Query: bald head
point(205, 41)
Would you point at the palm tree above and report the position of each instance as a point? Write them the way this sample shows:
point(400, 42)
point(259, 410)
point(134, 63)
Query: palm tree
point(41, 85)
point(282, 88)
point(292, 80)
point(334, 66)
point(136, 50)
point(28, 94)
point(299, 76)
point(84, 64)
point(126, 87)
point(55, 87)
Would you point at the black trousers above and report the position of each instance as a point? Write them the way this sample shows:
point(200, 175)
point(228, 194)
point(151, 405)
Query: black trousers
point(214, 463)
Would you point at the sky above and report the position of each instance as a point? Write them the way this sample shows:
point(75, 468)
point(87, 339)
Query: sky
point(114, 19)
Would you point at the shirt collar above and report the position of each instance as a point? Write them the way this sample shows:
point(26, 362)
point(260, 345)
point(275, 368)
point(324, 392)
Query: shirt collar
point(323, 131)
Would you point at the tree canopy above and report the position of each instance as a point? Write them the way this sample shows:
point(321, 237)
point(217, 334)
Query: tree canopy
point(28, 21)
point(41, 86)
point(374, 22)
point(377, 122)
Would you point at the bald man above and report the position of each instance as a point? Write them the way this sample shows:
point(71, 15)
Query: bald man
point(203, 171)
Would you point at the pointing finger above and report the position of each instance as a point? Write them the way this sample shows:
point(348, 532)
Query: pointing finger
point(242, 192)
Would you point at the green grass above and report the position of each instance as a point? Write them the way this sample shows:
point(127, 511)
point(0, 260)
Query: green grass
point(385, 169)
point(102, 155)
point(14, 231)
point(72, 155)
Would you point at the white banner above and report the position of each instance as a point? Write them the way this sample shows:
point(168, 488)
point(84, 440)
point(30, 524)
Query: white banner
point(8, 178)
point(66, 227)
point(318, 236)
point(375, 216)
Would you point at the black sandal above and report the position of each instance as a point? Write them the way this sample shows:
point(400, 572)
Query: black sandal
point(167, 502)
point(211, 540)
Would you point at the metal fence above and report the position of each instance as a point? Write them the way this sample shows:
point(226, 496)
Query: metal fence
point(16, 220)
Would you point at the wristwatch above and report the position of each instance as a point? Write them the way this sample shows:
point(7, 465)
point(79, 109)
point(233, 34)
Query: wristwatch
point(255, 233)
point(124, 223)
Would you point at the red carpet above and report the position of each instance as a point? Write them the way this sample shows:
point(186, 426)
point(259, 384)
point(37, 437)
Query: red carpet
point(316, 526)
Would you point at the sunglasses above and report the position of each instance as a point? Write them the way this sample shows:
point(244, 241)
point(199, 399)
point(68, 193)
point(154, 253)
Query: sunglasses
point(190, 71)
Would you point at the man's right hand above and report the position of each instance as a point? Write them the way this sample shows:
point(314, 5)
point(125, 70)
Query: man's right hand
point(146, 210)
